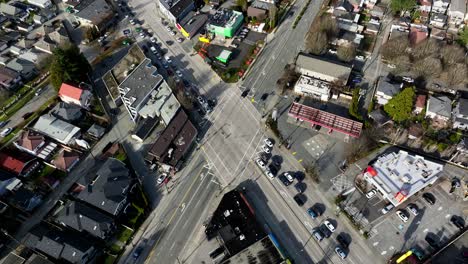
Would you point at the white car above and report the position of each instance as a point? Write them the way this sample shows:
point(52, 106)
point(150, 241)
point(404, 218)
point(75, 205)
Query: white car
point(6, 132)
point(392, 66)
point(132, 21)
point(180, 40)
point(408, 79)
point(413, 209)
point(168, 59)
point(153, 39)
point(161, 179)
point(179, 73)
point(153, 50)
point(371, 193)
point(268, 142)
point(288, 176)
point(172, 33)
point(361, 58)
point(329, 225)
point(269, 174)
point(402, 216)
point(261, 163)
point(266, 149)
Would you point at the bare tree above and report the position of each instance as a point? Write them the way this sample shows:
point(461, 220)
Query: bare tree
point(456, 74)
point(425, 49)
point(429, 67)
point(395, 48)
point(317, 42)
point(346, 53)
point(402, 63)
point(368, 140)
point(452, 54)
point(328, 25)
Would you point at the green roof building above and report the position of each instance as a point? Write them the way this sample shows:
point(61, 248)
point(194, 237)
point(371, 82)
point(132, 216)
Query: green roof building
point(225, 22)
point(224, 56)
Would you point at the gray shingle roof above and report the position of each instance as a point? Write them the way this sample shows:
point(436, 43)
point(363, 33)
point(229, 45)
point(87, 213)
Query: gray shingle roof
point(388, 88)
point(67, 112)
point(463, 106)
point(441, 105)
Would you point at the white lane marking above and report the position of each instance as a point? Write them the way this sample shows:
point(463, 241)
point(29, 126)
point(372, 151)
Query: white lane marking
point(246, 151)
point(375, 243)
point(383, 253)
point(425, 230)
point(440, 208)
point(391, 248)
point(182, 207)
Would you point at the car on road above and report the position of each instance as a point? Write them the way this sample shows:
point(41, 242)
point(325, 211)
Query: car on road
point(457, 221)
point(340, 252)
point(360, 58)
point(289, 177)
point(371, 193)
point(5, 132)
point(329, 225)
point(161, 178)
point(264, 96)
point(402, 215)
point(429, 198)
point(413, 209)
point(137, 252)
point(342, 240)
point(284, 180)
point(3, 123)
point(318, 235)
point(179, 73)
point(266, 149)
point(268, 142)
point(300, 199)
point(38, 92)
point(269, 174)
point(312, 213)
point(126, 31)
point(387, 208)
point(260, 163)
point(245, 93)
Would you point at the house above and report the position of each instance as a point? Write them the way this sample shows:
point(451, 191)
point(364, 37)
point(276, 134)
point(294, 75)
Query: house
point(8, 183)
point(45, 44)
point(174, 142)
point(24, 27)
point(258, 13)
point(372, 28)
point(346, 38)
point(30, 142)
point(74, 95)
point(66, 160)
point(176, 10)
point(39, 20)
point(345, 5)
point(96, 131)
point(379, 117)
point(85, 219)
point(370, 4)
point(386, 90)
point(41, 3)
point(25, 68)
point(225, 22)
point(19, 163)
point(440, 6)
point(57, 129)
point(60, 245)
point(106, 189)
point(415, 131)
point(97, 14)
point(462, 146)
point(9, 79)
point(378, 12)
point(25, 43)
point(9, 10)
point(322, 69)
point(460, 114)
point(420, 104)
point(418, 35)
point(438, 20)
point(309, 86)
point(425, 6)
point(439, 108)
point(457, 13)
point(138, 86)
point(66, 112)
point(35, 56)
point(25, 200)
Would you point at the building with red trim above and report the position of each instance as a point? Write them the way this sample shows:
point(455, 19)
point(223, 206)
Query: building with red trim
point(74, 95)
point(399, 175)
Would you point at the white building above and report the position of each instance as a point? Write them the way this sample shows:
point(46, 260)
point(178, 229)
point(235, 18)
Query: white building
point(312, 87)
point(385, 91)
point(457, 12)
point(398, 176)
point(440, 6)
point(41, 3)
point(460, 114)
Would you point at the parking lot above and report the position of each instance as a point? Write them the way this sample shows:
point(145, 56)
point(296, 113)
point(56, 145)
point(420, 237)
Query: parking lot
point(390, 234)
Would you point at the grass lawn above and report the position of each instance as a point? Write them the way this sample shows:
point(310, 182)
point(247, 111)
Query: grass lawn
point(121, 155)
point(125, 234)
point(140, 211)
point(110, 259)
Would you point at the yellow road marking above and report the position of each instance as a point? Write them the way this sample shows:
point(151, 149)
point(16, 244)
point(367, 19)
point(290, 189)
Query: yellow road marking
point(299, 161)
point(294, 153)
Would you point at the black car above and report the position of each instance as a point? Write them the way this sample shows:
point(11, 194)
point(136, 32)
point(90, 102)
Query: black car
point(273, 169)
point(264, 96)
point(317, 127)
point(245, 93)
point(326, 232)
point(431, 240)
point(456, 183)
point(300, 187)
point(137, 252)
point(457, 221)
point(300, 199)
point(429, 198)
point(284, 180)
point(216, 252)
point(343, 242)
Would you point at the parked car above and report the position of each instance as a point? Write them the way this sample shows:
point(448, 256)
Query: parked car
point(3, 123)
point(431, 240)
point(456, 183)
point(312, 213)
point(245, 93)
point(429, 198)
point(300, 187)
point(371, 193)
point(260, 163)
point(161, 179)
point(342, 240)
point(387, 208)
point(318, 235)
point(457, 221)
point(329, 225)
point(153, 40)
point(6, 132)
point(273, 169)
point(300, 199)
point(326, 232)
point(180, 40)
point(266, 149)
point(284, 180)
point(413, 209)
point(179, 73)
point(289, 177)
point(153, 50)
point(402, 215)
point(268, 142)
point(340, 252)
point(269, 174)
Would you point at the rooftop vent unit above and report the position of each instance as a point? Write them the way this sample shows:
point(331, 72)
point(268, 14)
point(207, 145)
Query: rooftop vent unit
point(227, 213)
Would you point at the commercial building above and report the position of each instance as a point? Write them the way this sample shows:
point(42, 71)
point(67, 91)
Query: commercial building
point(240, 236)
point(176, 10)
point(162, 104)
point(399, 175)
point(322, 69)
point(225, 22)
point(191, 24)
point(136, 89)
point(312, 87)
point(41, 3)
point(174, 142)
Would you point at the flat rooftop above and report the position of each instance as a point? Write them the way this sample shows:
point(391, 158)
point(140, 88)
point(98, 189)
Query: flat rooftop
point(192, 22)
point(399, 175)
point(96, 12)
point(140, 82)
point(262, 251)
point(224, 17)
point(162, 103)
